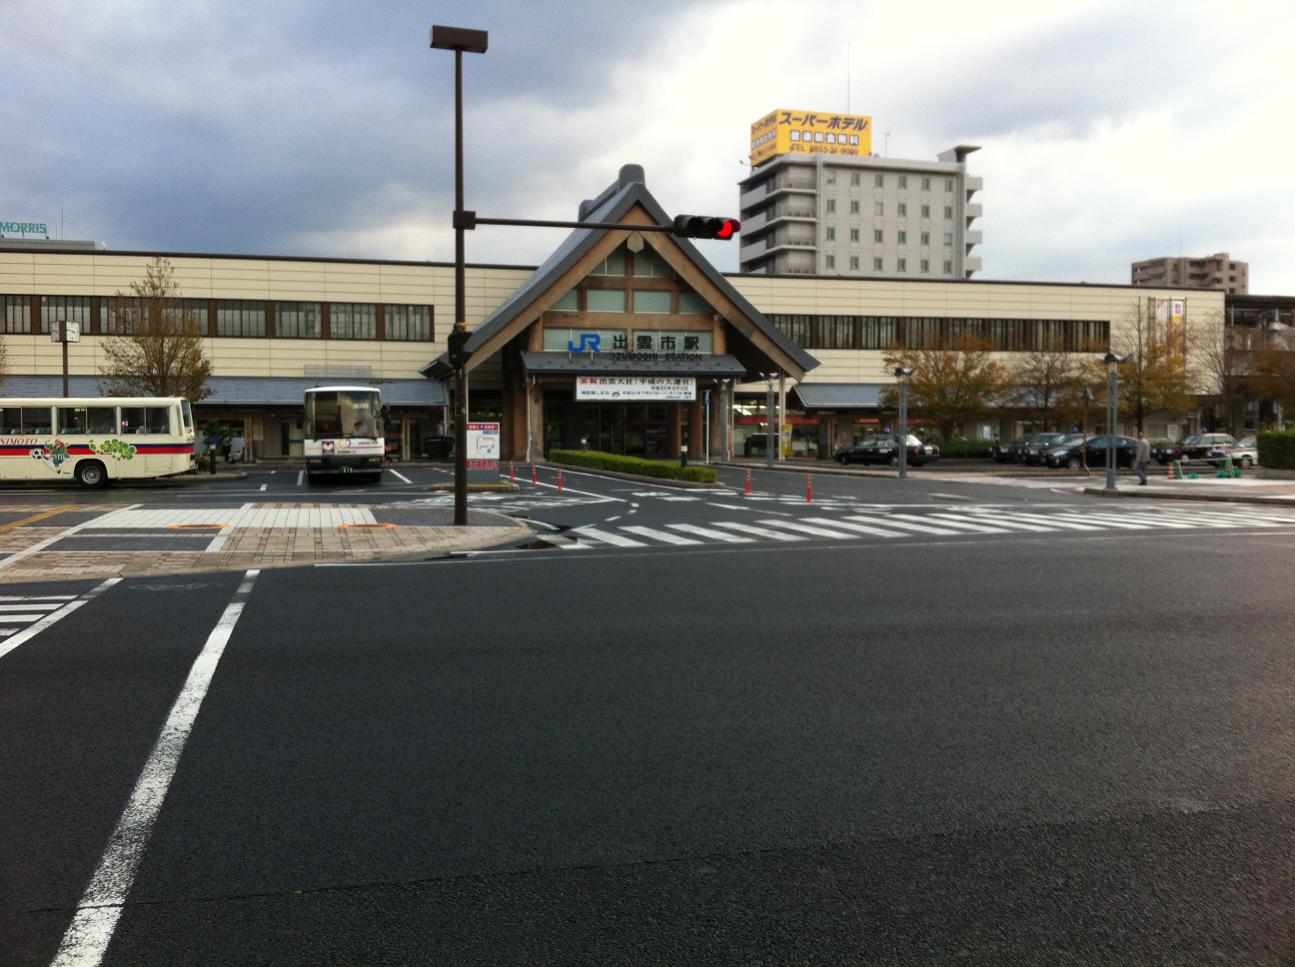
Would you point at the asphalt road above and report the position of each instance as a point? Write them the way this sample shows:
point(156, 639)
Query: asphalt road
point(993, 745)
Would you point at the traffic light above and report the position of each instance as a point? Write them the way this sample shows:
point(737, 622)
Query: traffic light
point(706, 226)
point(456, 343)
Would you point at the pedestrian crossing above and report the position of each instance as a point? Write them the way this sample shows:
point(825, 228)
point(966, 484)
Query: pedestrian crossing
point(899, 524)
point(19, 611)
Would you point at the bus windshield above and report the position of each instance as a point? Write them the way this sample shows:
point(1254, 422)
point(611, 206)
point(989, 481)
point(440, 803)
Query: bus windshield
point(341, 414)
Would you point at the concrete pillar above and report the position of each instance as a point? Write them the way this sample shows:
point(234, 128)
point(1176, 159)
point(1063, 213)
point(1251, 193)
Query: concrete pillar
point(533, 423)
point(674, 429)
point(697, 428)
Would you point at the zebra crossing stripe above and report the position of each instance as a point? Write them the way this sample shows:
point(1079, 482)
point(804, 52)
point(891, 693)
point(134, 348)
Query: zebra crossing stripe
point(712, 534)
point(758, 531)
point(664, 536)
point(893, 520)
point(1119, 523)
point(955, 520)
point(1015, 525)
point(809, 529)
point(859, 528)
point(1056, 520)
point(32, 606)
point(1246, 518)
point(607, 537)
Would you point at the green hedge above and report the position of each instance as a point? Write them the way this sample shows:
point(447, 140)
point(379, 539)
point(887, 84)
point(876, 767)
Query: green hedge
point(1277, 450)
point(977, 449)
point(667, 469)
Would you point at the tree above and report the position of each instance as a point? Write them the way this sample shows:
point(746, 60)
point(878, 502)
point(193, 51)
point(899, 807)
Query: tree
point(1154, 376)
point(1274, 369)
point(1048, 384)
point(1228, 366)
point(161, 351)
point(952, 384)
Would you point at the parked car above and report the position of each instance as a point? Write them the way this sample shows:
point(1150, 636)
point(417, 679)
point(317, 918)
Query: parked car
point(884, 448)
point(1195, 447)
point(1010, 452)
point(1037, 446)
point(1070, 453)
point(1245, 454)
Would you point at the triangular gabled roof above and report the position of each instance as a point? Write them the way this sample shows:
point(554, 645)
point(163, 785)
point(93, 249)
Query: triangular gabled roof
point(626, 199)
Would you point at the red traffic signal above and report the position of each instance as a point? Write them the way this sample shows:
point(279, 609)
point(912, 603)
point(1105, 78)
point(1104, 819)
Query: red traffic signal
point(706, 226)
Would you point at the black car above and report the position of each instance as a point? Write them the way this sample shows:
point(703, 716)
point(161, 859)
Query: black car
point(1009, 452)
point(1195, 447)
point(1036, 446)
point(1070, 452)
point(884, 448)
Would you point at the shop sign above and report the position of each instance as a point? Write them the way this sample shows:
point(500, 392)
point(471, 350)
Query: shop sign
point(23, 228)
point(482, 455)
point(635, 388)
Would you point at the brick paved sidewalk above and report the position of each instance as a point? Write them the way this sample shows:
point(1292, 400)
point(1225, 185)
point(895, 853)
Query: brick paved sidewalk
point(79, 542)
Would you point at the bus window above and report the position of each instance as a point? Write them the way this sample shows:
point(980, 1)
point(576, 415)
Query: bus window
point(157, 419)
point(132, 419)
point(186, 416)
point(36, 420)
point(101, 419)
point(71, 419)
point(10, 421)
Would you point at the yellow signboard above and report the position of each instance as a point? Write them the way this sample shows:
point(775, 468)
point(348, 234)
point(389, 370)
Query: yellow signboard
point(808, 132)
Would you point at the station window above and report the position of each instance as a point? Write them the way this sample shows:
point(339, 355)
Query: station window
point(72, 308)
point(352, 320)
point(17, 313)
point(605, 300)
point(409, 323)
point(298, 320)
point(240, 317)
point(651, 300)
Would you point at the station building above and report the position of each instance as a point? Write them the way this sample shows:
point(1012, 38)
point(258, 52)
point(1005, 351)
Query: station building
point(625, 341)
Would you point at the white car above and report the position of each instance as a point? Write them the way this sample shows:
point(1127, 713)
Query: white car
point(1244, 454)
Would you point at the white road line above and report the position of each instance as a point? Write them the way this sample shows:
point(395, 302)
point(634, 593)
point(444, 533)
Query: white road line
point(808, 529)
point(757, 531)
point(87, 938)
point(38, 597)
point(40, 546)
point(951, 496)
point(711, 534)
point(892, 520)
point(607, 537)
point(1056, 520)
point(44, 621)
point(999, 521)
point(955, 520)
point(664, 536)
point(301, 475)
point(857, 528)
point(265, 487)
point(32, 605)
point(398, 475)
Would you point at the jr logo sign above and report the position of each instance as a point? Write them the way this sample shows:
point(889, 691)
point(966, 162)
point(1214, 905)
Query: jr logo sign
point(589, 342)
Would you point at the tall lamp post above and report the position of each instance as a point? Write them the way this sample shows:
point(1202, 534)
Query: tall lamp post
point(902, 376)
point(1112, 362)
point(770, 441)
point(459, 40)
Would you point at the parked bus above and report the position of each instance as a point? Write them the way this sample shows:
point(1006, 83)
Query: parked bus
point(343, 431)
point(94, 439)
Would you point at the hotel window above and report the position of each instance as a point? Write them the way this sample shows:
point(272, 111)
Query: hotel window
point(240, 317)
point(605, 300)
point(831, 234)
point(830, 261)
point(352, 320)
point(854, 235)
point(901, 265)
point(948, 184)
point(877, 235)
point(854, 207)
point(926, 211)
point(17, 313)
point(926, 238)
point(948, 266)
point(854, 179)
point(903, 209)
point(854, 263)
point(879, 181)
point(879, 208)
point(72, 308)
point(651, 300)
point(831, 206)
point(830, 177)
point(926, 184)
point(925, 265)
point(948, 239)
point(948, 211)
point(903, 237)
point(614, 264)
point(298, 320)
point(568, 303)
point(876, 265)
point(903, 181)
point(409, 323)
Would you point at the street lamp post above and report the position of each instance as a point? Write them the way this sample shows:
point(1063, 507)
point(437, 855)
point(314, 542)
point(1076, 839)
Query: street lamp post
point(769, 440)
point(1112, 390)
point(902, 375)
point(459, 40)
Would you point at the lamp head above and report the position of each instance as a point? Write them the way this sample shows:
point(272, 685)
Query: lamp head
point(903, 373)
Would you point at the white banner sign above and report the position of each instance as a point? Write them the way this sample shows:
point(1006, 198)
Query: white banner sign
point(680, 388)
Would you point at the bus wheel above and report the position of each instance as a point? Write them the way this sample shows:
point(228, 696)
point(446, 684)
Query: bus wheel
point(90, 473)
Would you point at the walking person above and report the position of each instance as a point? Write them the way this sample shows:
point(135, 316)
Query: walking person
point(1143, 458)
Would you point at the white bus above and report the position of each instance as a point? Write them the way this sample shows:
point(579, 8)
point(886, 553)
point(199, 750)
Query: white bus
point(94, 439)
point(343, 431)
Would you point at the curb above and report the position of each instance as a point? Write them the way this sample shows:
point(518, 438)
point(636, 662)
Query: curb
point(1214, 498)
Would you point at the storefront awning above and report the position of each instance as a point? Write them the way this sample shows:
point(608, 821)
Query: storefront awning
point(629, 364)
point(839, 396)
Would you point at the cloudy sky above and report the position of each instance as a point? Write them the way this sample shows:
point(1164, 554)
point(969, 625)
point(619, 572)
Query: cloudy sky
point(1110, 132)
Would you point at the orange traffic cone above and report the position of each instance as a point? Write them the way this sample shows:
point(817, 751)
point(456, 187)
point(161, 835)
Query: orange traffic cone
point(559, 481)
point(535, 474)
point(809, 488)
point(748, 482)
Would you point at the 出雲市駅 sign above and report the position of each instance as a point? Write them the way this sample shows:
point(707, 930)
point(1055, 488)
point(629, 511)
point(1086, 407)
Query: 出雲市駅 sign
point(24, 228)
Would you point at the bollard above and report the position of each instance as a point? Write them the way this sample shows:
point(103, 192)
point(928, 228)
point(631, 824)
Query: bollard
point(559, 481)
point(512, 471)
point(748, 482)
point(809, 488)
point(535, 478)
